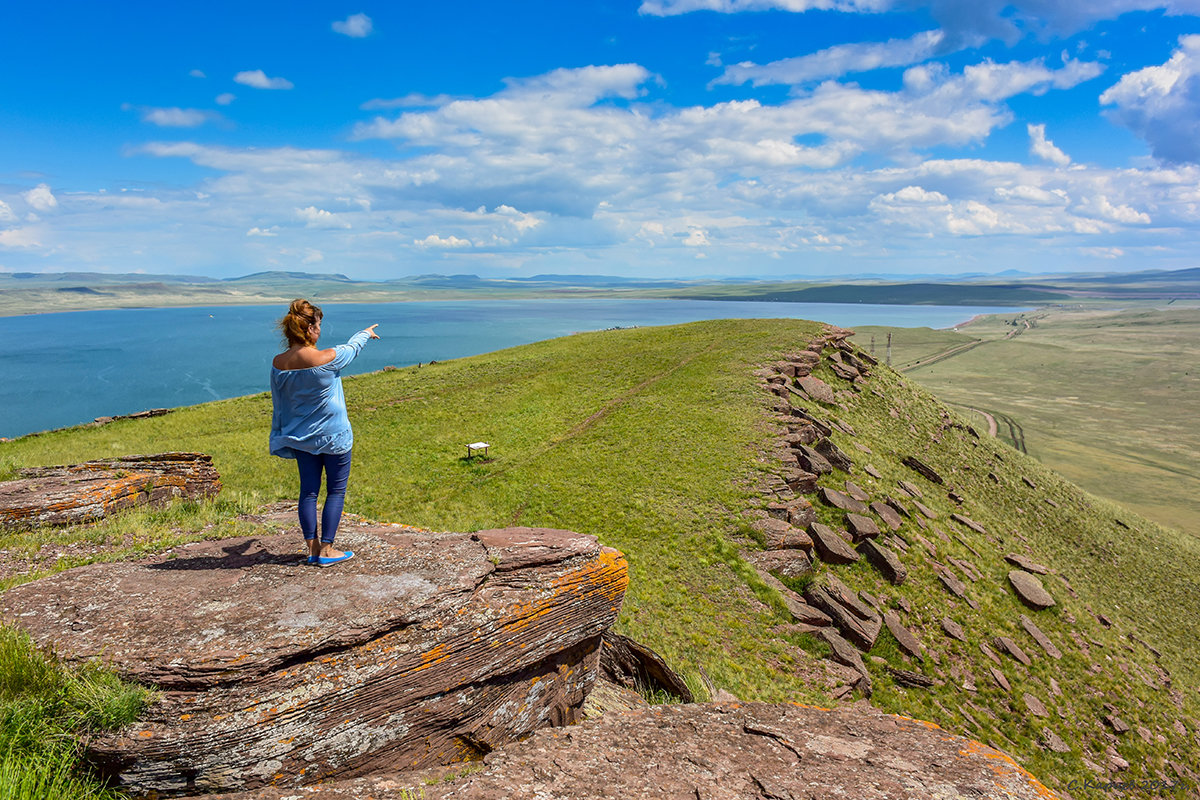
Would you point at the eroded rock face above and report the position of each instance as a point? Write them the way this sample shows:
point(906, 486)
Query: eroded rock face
point(78, 493)
point(424, 649)
point(726, 750)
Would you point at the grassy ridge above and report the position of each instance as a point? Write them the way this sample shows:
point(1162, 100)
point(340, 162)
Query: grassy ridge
point(1107, 397)
point(653, 439)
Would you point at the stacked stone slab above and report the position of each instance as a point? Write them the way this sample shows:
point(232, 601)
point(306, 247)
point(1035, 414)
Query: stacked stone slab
point(79, 493)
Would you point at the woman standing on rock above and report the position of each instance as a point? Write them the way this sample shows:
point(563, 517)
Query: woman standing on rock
point(310, 423)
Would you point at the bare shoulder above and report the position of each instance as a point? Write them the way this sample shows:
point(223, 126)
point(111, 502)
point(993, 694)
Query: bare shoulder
point(304, 358)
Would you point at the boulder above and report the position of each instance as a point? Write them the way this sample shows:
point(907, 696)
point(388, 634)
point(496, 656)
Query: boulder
point(792, 564)
point(856, 621)
point(970, 523)
point(780, 535)
point(830, 547)
point(1026, 563)
point(870, 470)
point(426, 648)
point(966, 567)
point(856, 491)
point(913, 680)
point(1000, 680)
point(843, 370)
point(79, 493)
point(813, 461)
point(816, 388)
point(910, 489)
point(888, 514)
point(953, 585)
point(907, 641)
point(923, 469)
point(798, 512)
point(1053, 742)
point(1034, 705)
point(799, 480)
point(821, 426)
point(841, 500)
point(1042, 639)
point(884, 560)
point(861, 527)
point(844, 653)
point(1030, 590)
point(925, 510)
point(1013, 649)
point(953, 629)
point(834, 455)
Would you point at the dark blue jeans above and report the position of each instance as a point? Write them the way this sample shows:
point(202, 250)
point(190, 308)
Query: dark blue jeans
point(337, 474)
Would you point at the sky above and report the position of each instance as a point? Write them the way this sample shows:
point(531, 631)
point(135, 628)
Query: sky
point(648, 138)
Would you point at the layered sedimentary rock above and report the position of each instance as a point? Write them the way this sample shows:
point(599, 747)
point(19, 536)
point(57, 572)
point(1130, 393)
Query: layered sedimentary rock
point(78, 493)
point(726, 750)
point(424, 649)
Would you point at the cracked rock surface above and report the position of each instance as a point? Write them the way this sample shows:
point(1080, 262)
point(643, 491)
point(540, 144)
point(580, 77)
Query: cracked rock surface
point(425, 648)
point(723, 751)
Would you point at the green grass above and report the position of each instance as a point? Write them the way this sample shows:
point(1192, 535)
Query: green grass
point(653, 439)
point(1106, 396)
point(44, 709)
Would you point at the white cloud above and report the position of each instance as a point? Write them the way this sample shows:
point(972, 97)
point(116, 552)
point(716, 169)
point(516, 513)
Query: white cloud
point(257, 231)
point(259, 80)
point(836, 61)
point(1043, 148)
point(19, 237)
point(449, 242)
point(197, 73)
point(665, 8)
point(172, 117)
point(40, 198)
point(355, 25)
point(1162, 104)
point(225, 98)
point(1101, 207)
point(312, 256)
point(966, 24)
point(414, 100)
point(6, 213)
point(1102, 252)
point(320, 218)
point(696, 237)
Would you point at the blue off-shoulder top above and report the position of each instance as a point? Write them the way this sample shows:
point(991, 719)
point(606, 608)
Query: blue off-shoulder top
point(309, 407)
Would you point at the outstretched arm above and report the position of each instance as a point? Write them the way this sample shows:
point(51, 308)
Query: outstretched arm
point(345, 353)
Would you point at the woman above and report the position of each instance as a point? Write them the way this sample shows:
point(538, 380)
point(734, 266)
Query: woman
point(310, 423)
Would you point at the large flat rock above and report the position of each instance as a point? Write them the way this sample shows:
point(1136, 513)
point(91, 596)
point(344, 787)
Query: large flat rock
point(724, 751)
point(72, 494)
point(424, 649)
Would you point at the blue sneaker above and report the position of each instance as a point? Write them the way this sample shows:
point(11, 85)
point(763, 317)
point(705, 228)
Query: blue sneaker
point(312, 560)
point(329, 562)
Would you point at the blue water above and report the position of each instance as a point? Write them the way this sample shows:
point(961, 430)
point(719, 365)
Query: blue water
point(66, 369)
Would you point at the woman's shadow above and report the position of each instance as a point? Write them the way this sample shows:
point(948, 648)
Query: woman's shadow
point(246, 553)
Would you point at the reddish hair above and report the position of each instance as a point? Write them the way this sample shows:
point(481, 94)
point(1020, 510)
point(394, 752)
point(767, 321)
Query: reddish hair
point(301, 316)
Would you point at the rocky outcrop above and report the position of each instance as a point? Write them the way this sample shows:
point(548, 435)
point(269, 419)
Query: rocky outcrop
point(724, 750)
point(426, 648)
point(78, 493)
point(1030, 590)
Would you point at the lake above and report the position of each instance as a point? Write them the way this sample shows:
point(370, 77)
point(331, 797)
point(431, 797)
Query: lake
point(66, 369)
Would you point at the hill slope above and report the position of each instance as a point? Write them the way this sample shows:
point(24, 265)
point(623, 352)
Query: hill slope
point(659, 440)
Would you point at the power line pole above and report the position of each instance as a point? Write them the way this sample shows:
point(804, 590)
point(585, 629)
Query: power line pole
point(889, 350)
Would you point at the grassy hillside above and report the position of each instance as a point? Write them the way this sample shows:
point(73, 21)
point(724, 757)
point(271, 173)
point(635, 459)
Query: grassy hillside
point(655, 439)
point(1105, 396)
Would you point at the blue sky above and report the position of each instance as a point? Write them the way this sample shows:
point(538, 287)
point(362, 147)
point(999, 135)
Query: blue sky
point(654, 138)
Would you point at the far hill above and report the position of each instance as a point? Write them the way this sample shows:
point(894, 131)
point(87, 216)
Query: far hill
point(678, 446)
